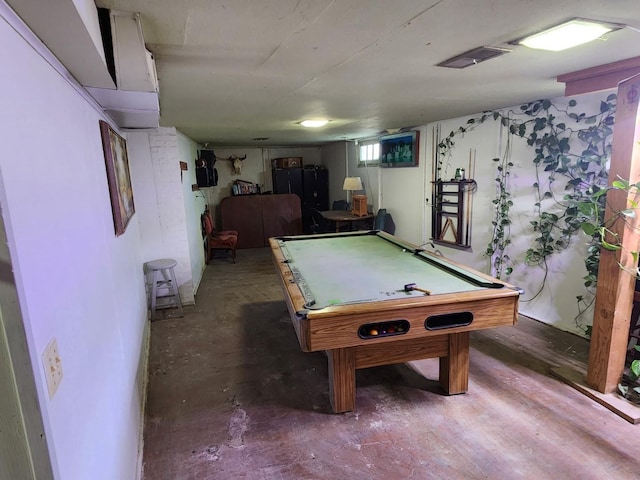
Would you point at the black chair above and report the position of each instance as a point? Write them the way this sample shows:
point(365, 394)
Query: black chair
point(319, 224)
point(340, 205)
point(379, 221)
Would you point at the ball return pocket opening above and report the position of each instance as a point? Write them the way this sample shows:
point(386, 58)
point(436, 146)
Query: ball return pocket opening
point(383, 329)
point(448, 320)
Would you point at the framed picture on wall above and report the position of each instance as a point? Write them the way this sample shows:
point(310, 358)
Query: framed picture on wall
point(399, 150)
point(117, 163)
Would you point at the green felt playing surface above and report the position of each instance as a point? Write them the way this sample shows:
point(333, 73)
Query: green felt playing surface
point(336, 270)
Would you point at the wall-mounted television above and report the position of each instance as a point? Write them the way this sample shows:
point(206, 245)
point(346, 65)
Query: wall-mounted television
point(399, 150)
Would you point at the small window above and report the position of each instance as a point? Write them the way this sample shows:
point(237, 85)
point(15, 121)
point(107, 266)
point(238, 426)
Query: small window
point(369, 153)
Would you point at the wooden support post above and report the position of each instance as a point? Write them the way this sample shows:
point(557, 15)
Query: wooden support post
point(614, 295)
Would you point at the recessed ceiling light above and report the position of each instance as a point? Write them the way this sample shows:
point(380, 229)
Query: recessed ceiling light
point(314, 123)
point(569, 34)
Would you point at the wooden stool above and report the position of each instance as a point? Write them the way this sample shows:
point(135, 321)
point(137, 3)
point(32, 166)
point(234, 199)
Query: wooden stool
point(164, 288)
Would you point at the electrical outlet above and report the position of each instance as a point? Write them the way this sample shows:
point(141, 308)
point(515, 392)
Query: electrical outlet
point(52, 366)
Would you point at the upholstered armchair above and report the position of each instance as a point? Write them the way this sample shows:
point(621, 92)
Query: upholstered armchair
point(225, 240)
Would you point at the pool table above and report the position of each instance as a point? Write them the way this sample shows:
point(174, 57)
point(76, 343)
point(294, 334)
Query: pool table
point(350, 295)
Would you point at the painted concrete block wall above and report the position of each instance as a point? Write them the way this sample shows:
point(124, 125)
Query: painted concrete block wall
point(76, 281)
point(194, 204)
point(158, 188)
point(163, 143)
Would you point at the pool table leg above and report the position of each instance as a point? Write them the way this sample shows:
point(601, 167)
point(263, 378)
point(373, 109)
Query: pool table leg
point(454, 368)
point(342, 379)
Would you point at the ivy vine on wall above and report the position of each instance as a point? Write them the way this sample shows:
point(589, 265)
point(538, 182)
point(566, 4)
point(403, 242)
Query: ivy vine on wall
point(571, 151)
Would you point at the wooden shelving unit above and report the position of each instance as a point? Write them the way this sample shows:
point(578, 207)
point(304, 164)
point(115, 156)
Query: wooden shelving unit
point(452, 212)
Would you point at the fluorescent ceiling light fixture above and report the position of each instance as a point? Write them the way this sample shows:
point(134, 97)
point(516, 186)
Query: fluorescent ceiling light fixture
point(569, 34)
point(314, 123)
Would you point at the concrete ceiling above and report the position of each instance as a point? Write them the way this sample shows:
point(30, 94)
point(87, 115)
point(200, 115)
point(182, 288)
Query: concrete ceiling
point(231, 71)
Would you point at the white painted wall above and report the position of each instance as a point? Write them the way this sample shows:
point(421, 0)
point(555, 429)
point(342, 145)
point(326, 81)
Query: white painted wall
point(370, 176)
point(194, 203)
point(76, 281)
point(335, 157)
point(169, 210)
point(341, 158)
point(404, 191)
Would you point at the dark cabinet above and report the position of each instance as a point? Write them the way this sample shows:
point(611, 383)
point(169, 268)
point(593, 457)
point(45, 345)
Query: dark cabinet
point(287, 180)
point(311, 184)
point(316, 188)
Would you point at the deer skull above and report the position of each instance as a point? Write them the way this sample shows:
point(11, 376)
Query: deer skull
point(236, 163)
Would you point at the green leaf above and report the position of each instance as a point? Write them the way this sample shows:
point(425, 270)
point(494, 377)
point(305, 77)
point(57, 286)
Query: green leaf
point(599, 193)
point(588, 228)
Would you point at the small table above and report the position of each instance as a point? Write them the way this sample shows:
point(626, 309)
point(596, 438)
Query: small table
point(345, 295)
point(344, 216)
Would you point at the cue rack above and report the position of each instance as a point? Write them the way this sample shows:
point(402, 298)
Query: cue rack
point(452, 205)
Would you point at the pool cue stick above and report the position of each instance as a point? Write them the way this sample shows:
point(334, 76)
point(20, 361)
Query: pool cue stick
point(434, 158)
point(412, 286)
point(434, 162)
point(469, 198)
point(468, 201)
point(433, 154)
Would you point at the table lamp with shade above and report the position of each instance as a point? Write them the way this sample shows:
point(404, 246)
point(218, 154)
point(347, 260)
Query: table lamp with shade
point(358, 202)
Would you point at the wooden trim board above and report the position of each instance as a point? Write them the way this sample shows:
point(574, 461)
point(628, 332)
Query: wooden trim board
point(611, 401)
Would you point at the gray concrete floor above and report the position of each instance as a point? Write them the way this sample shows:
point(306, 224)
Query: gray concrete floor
point(231, 396)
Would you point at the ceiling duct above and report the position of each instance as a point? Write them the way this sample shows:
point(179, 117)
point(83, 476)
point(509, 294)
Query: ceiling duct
point(473, 57)
point(134, 102)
